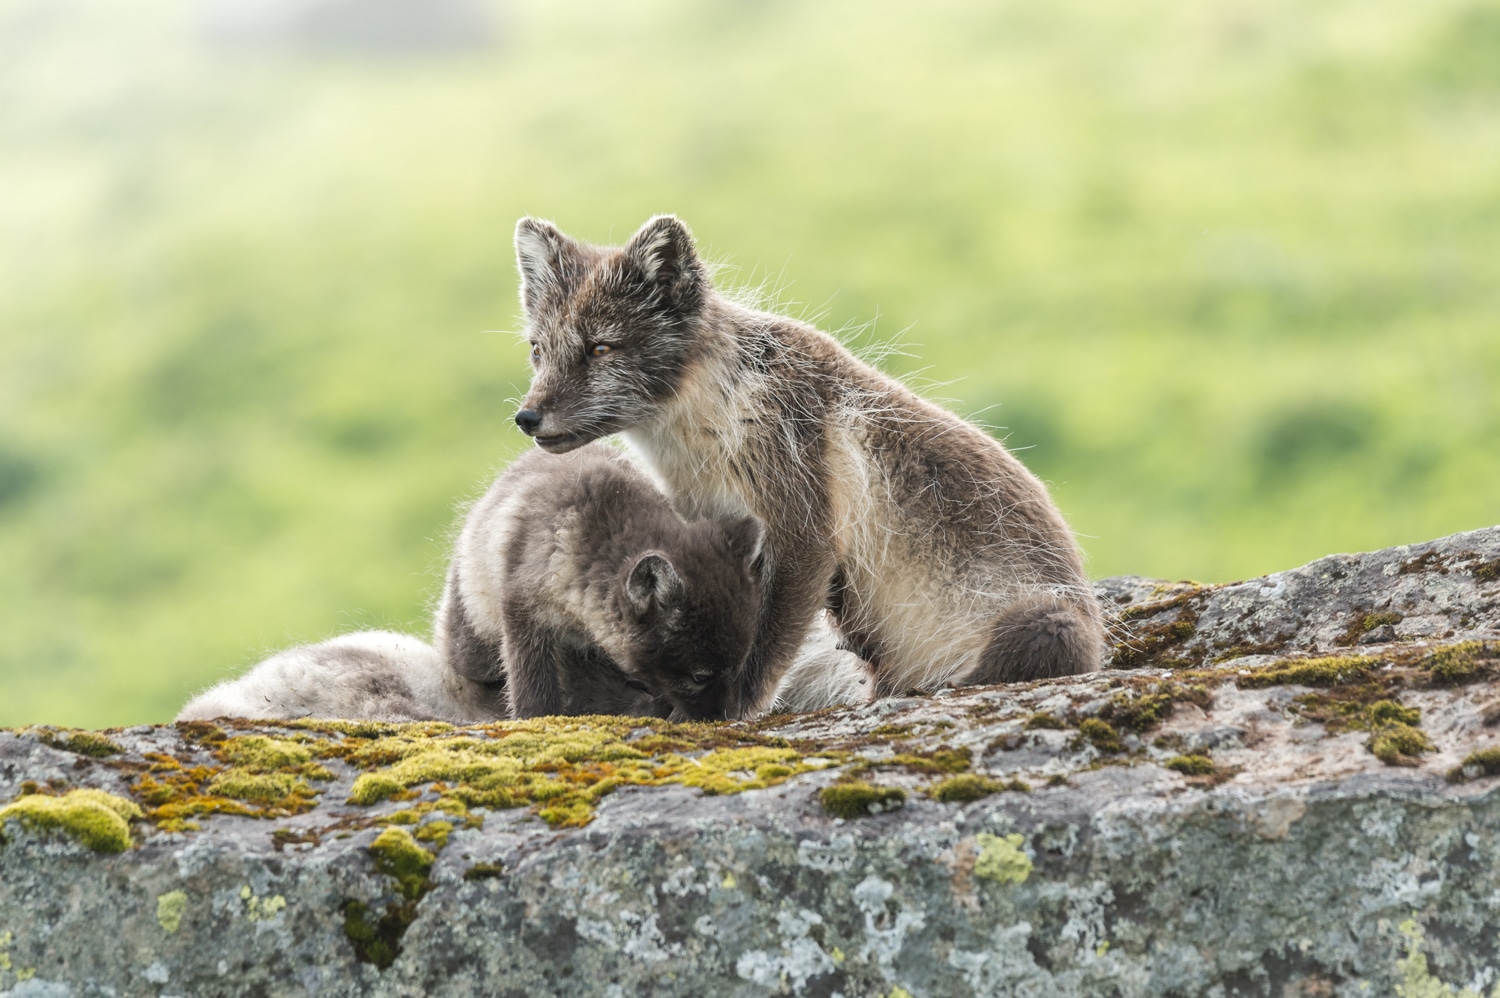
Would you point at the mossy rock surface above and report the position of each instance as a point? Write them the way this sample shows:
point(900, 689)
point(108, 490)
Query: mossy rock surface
point(1183, 828)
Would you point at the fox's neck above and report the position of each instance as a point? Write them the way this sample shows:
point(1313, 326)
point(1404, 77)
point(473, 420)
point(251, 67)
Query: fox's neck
point(693, 443)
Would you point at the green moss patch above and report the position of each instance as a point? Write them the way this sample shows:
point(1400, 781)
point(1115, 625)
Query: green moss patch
point(1151, 644)
point(260, 788)
point(1384, 712)
point(94, 818)
point(1354, 696)
point(1162, 602)
point(1462, 663)
point(398, 856)
point(484, 871)
point(1399, 745)
point(1355, 708)
point(173, 802)
point(856, 799)
point(435, 832)
point(1485, 762)
point(1368, 704)
point(1364, 623)
point(1141, 712)
point(1191, 765)
point(1145, 705)
point(1100, 734)
point(377, 939)
point(89, 743)
point(1229, 650)
point(261, 754)
point(1042, 719)
point(1330, 671)
point(562, 767)
point(968, 787)
point(943, 759)
point(254, 776)
point(372, 788)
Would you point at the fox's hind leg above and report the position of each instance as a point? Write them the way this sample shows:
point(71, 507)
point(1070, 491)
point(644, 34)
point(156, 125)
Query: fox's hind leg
point(1037, 638)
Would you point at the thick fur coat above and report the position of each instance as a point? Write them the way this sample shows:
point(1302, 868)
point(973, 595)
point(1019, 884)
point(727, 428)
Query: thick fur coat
point(576, 585)
point(942, 559)
point(376, 675)
point(574, 589)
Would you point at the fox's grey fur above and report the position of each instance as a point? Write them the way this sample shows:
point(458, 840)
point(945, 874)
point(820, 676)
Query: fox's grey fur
point(942, 558)
point(376, 675)
point(825, 674)
point(379, 675)
point(575, 583)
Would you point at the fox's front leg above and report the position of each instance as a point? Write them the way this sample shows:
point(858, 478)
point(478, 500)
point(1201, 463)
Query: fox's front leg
point(536, 657)
point(796, 595)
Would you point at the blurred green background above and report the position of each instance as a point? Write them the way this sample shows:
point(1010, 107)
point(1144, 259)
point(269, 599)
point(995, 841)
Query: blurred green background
point(1229, 270)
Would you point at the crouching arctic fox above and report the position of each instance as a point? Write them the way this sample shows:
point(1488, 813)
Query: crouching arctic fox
point(574, 589)
point(576, 585)
point(941, 557)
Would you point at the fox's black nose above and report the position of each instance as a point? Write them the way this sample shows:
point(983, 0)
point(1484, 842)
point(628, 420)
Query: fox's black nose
point(529, 420)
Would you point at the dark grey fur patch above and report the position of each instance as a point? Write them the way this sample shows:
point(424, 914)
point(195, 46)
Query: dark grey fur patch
point(681, 646)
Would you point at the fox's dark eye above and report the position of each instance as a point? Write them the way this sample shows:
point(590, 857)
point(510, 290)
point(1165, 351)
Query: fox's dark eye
point(599, 349)
point(536, 353)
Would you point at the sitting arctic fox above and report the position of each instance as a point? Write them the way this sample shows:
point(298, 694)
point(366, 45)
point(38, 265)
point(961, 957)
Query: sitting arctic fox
point(942, 558)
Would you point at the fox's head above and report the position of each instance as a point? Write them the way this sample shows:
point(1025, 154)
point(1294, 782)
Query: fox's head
point(609, 328)
point(691, 614)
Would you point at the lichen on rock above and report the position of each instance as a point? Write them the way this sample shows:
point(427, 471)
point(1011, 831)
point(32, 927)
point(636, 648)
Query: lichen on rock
point(170, 908)
point(1001, 859)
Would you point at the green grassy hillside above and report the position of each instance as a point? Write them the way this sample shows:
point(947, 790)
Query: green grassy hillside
point(1230, 272)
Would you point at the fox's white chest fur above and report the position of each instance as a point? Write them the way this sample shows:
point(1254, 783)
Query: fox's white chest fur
point(694, 450)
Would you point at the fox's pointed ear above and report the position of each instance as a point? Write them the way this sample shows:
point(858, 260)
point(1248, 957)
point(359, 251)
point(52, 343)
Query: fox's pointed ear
point(662, 253)
point(653, 584)
point(543, 256)
point(747, 538)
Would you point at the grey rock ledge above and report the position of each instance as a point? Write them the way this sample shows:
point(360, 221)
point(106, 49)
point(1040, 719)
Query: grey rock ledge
point(1301, 865)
